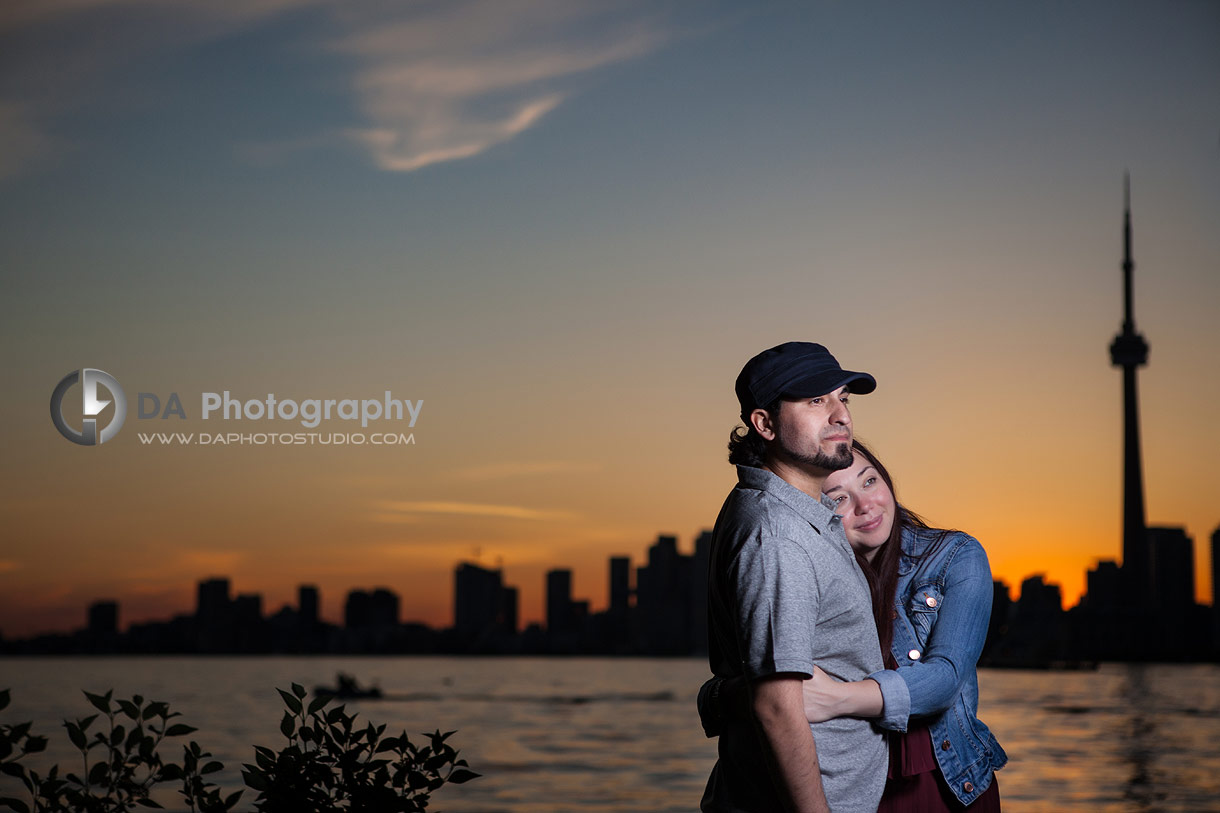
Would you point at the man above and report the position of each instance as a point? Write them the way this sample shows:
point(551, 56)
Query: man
point(785, 593)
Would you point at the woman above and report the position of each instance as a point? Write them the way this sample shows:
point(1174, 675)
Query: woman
point(931, 593)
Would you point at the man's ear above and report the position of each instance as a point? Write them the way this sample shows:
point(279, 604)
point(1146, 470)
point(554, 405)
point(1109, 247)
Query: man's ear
point(760, 419)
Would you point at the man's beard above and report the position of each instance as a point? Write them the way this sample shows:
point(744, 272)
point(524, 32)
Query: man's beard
point(838, 460)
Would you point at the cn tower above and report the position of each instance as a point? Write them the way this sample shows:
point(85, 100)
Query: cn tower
point(1129, 350)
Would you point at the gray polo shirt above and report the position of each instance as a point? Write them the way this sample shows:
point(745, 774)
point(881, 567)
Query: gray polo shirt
point(785, 593)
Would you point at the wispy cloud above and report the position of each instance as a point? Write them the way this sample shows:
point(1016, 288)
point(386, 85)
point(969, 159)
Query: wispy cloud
point(8, 565)
point(16, 13)
point(406, 509)
point(463, 77)
point(212, 561)
point(505, 471)
point(24, 144)
point(56, 63)
point(433, 81)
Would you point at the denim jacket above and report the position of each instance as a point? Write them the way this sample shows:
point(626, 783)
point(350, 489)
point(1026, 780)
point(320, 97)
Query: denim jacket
point(943, 605)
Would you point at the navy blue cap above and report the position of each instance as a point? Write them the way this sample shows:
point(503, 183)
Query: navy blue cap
point(794, 370)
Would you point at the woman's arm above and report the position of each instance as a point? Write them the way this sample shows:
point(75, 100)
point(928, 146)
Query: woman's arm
point(951, 653)
point(826, 698)
point(929, 683)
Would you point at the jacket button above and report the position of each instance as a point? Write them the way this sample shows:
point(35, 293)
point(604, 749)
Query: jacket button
point(944, 746)
point(968, 787)
point(913, 654)
point(930, 601)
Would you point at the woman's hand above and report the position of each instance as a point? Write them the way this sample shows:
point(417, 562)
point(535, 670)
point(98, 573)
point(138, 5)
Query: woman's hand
point(827, 698)
point(823, 697)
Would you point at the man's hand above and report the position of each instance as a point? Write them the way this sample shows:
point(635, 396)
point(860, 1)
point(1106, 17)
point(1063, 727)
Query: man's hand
point(793, 756)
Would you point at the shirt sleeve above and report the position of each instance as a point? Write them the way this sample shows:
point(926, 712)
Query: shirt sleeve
point(777, 601)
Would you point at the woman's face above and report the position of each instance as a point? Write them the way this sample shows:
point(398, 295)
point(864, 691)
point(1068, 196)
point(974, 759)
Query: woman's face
point(865, 502)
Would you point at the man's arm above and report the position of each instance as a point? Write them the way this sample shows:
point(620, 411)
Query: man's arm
point(793, 756)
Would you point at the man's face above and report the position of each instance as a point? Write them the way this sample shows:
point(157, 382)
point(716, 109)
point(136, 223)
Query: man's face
point(815, 432)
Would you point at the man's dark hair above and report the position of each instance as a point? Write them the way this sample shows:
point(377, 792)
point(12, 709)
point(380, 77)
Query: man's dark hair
point(746, 446)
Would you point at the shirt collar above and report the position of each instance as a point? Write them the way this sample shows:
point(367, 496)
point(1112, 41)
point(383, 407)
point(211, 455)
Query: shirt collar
point(818, 513)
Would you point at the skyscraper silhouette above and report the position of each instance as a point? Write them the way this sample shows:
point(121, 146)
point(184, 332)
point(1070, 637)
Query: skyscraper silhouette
point(103, 619)
point(214, 616)
point(559, 602)
point(307, 613)
point(484, 608)
point(1216, 592)
point(1129, 350)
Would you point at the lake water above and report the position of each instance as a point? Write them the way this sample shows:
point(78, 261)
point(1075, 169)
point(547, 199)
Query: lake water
point(619, 734)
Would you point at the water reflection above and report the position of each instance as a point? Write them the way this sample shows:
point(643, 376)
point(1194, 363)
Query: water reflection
point(1126, 738)
point(602, 734)
point(1138, 737)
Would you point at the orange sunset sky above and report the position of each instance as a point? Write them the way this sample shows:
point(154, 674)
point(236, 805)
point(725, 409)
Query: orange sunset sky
point(564, 228)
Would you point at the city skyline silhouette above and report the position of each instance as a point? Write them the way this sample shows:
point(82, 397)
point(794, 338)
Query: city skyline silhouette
point(661, 611)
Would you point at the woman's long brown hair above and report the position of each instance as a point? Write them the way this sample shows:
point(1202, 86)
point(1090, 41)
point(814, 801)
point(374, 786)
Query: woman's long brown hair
point(882, 572)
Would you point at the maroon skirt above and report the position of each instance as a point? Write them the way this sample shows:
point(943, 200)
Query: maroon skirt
point(915, 784)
